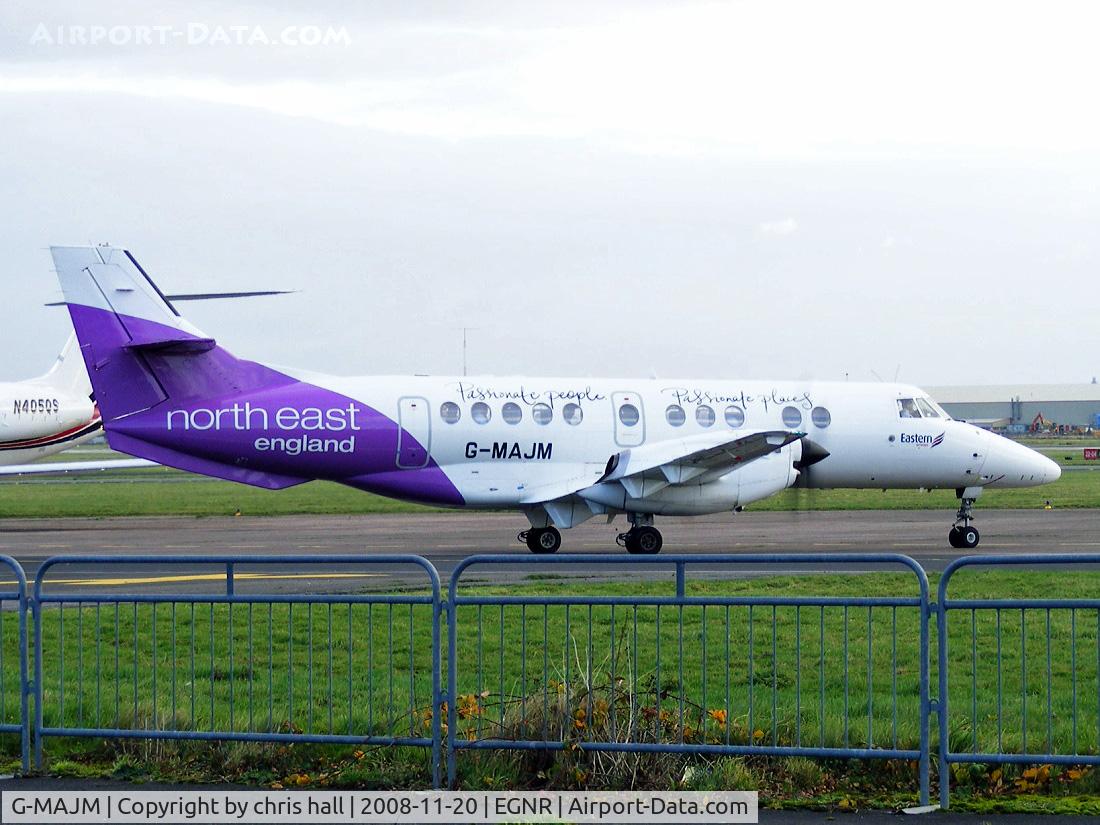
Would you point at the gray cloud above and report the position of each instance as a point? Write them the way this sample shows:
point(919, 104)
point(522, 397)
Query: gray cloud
point(440, 177)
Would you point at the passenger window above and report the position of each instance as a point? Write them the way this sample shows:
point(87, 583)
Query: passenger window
point(675, 415)
point(927, 409)
point(792, 417)
point(821, 417)
point(449, 411)
point(511, 413)
point(481, 413)
point(542, 414)
point(907, 408)
point(629, 415)
point(704, 415)
point(573, 414)
point(735, 416)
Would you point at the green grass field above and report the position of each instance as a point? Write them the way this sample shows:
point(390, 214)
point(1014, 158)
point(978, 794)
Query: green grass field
point(169, 493)
point(827, 677)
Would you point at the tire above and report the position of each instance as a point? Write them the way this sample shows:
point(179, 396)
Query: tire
point(543, 540)
point(969, 537)
point(954, 538)
point(647, 540)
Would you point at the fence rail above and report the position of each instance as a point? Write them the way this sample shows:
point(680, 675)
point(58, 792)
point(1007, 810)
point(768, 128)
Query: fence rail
point(705, 662)
point(1042, 655)
point(691, 672)
point(237, 665)
point(14, 667)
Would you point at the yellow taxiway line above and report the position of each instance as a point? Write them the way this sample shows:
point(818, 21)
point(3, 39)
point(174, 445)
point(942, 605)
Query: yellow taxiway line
point(205, 577)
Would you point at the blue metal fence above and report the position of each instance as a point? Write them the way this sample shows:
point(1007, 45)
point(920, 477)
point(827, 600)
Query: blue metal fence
point(695, 671)
point(236, 664)
point(715, 663)
point(1026, 676)
point(15, 684)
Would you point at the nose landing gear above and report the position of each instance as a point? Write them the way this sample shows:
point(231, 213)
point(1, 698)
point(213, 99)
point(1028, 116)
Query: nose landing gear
point(964, 536)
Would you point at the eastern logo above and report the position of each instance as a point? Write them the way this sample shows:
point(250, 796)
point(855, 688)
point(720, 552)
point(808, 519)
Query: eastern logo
point(921, 440)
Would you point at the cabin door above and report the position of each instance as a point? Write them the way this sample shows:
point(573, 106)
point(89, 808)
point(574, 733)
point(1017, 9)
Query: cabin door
point(414, 437)
point(629, 418)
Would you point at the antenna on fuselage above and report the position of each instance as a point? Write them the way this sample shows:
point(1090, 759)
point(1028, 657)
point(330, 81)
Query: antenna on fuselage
point(464, 331)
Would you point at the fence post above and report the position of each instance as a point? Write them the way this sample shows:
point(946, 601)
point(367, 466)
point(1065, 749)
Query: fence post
point(943, 770)
point(36, 685)
point(452, 685)
point(930, 611)
point(437, 690)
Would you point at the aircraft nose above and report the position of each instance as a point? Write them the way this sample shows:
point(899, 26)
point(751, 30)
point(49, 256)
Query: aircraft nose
point(1022, 466)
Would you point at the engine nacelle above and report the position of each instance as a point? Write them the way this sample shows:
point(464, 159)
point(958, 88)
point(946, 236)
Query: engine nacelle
point(768, 476)
point(756, 480)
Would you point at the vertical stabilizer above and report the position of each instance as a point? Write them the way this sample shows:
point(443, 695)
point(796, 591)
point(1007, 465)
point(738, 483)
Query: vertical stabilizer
point(68, 375)
point(139, 351)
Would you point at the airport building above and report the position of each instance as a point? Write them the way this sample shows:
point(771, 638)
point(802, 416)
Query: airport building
point(1024, 407)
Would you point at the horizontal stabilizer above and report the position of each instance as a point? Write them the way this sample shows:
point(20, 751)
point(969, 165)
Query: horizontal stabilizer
point(208, 296)
point(171, 345)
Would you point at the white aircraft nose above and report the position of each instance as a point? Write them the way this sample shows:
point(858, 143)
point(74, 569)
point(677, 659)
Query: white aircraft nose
point(1021, 466)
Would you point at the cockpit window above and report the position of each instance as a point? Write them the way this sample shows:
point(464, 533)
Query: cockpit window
point(940, 411)
point(907, 408)
point(927, 410)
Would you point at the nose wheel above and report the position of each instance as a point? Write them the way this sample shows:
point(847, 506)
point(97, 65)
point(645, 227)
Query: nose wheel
point(541, 540)
point(964, 536)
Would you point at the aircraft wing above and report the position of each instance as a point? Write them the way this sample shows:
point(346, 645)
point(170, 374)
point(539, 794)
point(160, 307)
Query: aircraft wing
point(69, 467)
point(644, 470)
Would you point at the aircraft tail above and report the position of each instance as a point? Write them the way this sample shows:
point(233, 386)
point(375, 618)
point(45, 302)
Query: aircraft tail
point(68, 374)
point(140, 353)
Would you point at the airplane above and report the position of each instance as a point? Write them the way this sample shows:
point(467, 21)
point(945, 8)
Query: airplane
point(560, 450)
point(51, 413)
point(43, 416)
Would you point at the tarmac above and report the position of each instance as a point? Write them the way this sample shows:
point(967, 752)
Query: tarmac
point(446, 539)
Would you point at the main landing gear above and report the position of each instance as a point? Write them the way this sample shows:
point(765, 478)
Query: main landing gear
point(541, 539)
point(964, 536)
point(642, 538)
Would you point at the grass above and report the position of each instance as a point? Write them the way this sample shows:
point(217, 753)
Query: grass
point(170, 493)
point(161, 492)
point(570, 673)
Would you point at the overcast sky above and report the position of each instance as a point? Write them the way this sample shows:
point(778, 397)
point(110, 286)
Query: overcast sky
point(740, 189)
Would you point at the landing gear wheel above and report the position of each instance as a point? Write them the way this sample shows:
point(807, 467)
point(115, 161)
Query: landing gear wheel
point(964, 536)
point(645, 541)
point(543, 540)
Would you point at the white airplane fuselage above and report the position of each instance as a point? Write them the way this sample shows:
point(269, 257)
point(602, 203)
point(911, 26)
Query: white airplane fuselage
point(560, 449)
point(43, 416)
point(498, 464)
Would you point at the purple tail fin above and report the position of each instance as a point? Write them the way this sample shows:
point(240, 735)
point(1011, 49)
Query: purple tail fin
point(142, 355)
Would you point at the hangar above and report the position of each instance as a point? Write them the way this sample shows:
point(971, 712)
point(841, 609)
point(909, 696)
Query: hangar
point(1022, 407)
